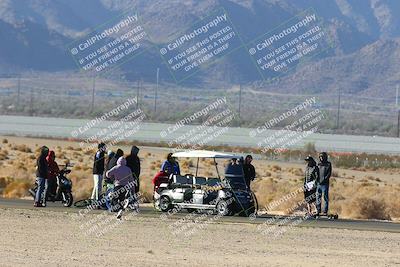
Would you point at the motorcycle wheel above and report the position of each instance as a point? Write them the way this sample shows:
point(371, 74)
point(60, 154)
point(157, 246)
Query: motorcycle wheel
point(69, 199)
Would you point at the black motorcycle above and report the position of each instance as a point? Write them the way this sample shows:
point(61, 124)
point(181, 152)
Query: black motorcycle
point(64, 188)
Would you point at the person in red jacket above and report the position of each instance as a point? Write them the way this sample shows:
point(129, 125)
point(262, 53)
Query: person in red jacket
point(52, 171)
point(159, 178)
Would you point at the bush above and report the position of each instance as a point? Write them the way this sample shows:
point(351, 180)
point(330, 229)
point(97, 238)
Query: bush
point(366, 208)
point(16, 189)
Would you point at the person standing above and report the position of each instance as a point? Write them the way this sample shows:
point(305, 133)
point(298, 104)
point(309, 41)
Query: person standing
point(310, 179)
point(133, 162)
point(41, 176)
point(98, 170)
point(325, 172)
point(171, 166)
point(249, 170)
point(52, 172)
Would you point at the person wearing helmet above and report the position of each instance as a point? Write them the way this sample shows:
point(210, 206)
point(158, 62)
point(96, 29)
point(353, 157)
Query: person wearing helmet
point(98, 170)
point(325, 171)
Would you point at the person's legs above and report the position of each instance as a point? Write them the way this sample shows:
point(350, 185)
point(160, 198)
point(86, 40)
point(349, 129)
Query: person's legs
point(325, 192)
point(44, 194)
point(51, 189)
point(318, 199)
point(41, 183)
point(99, 186)
point(95, 186)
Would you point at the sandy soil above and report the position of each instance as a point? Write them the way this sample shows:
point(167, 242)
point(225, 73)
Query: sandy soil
point(45, 238)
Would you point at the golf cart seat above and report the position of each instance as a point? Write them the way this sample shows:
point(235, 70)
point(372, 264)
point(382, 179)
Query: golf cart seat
point(179, 180)
point(199, 182)
point(213, 181)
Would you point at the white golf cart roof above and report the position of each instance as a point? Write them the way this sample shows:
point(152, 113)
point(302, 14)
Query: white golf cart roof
point(204, 154)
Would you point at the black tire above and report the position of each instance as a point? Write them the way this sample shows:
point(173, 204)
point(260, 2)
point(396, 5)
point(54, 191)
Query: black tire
point(69, 199)
point(223, 208)
point(84, 203)
point(165, 204)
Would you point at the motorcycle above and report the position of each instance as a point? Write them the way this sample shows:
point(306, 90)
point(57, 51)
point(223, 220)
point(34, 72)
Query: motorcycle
point(64, 188)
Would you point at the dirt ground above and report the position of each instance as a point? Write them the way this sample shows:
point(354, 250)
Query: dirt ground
point(46, 238)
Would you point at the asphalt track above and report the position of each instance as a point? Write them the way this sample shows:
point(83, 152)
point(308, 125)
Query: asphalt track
point(150, 132)
point(146, 211)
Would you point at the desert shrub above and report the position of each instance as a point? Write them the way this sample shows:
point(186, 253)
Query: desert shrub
point(276, 168)
point(4, 141)
point(16, 189)
point(22, 148)
point(3, 156)
point(366, 208)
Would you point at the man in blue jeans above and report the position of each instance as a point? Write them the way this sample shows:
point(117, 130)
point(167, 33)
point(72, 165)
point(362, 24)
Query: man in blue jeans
point(325, 171)
point(41, 176)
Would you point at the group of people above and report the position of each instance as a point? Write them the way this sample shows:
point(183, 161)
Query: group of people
point(316, 183)
point(46, 173)
point(121, 171)
point(115, 168)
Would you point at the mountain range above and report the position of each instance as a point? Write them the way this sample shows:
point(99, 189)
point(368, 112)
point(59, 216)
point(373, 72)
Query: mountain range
point(365, 35)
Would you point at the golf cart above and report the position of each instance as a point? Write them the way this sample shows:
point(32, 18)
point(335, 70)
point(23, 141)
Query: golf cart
point(227, 196)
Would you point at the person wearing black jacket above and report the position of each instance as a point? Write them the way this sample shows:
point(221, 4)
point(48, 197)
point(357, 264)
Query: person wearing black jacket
point(311, 175)
point(41, 176)
point(249, 170)
point(133, 162)
point(98, 170)
point(325, 171)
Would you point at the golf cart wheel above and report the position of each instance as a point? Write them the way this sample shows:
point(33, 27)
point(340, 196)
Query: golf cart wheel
point(165, 204)
point(223, 208)
point(69, 199)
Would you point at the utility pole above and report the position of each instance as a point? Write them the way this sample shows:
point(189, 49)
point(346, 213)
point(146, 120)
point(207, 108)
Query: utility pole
point(240, 98)
point(398, 122)
point(18, 89)
point(31, 103)
point(155, 95)
point(137, 93)
point(338, 111)
point(93, 90)
point(398, 112)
